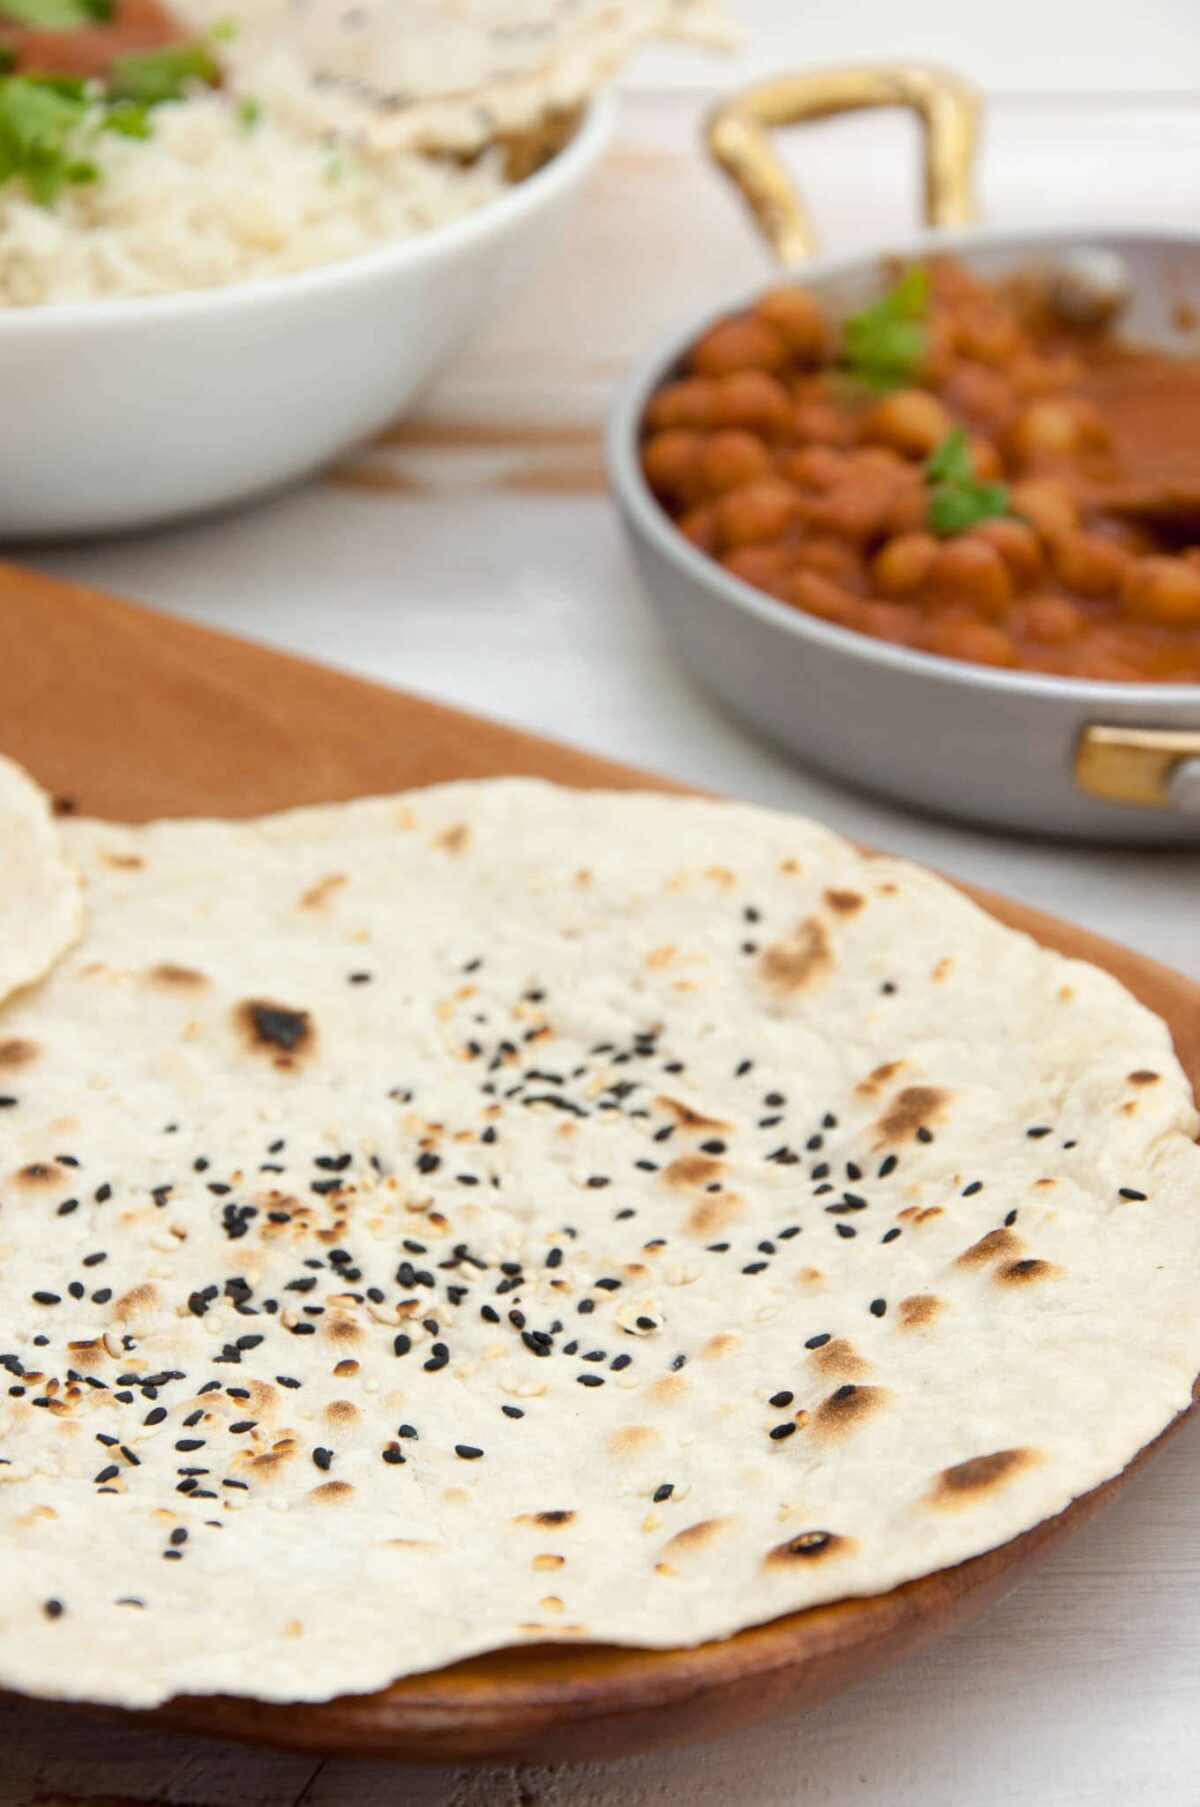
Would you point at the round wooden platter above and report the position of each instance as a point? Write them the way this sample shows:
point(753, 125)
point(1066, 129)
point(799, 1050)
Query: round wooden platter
point(127, 714)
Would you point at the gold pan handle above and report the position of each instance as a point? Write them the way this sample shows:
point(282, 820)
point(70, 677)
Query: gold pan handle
point(1158, 768)
point(737, 134)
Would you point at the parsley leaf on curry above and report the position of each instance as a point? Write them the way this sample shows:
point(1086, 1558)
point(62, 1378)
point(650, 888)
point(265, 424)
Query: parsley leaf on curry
point(884, 345)
point(957, 499)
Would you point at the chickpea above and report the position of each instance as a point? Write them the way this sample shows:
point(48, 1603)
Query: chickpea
point(889, 621)
point(910, 420)
point(820, 423)
point(984, 396)
point(798, 318)
point(1088, 564)
point(700, 526)
point(988, 333)
point(1044, 373)
point(766, 567)
point(902, 566)
point(816, 467)
point(985, 459)
point(1163, 590)
point(725, 460)
point(1048, 507)
point(752, 399)
point(833, 559)
point(669, 461)
point(756, 512)
point(1050, 620)
point(971, 572)
point(854, 509)
point(1044, 430)
point(908, 507)
point(965, 637)
point(1018, 546)
point(816, 595)
point(739, 343)
point(689, 403)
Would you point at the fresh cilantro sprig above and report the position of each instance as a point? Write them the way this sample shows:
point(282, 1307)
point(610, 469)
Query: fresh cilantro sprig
point(56, 15)
point(151, 77)
point(957, 499)
point(47, 121)
point(40, 118)
point(884, 346)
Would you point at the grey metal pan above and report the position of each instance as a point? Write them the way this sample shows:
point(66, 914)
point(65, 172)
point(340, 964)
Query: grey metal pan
point(1066, 757)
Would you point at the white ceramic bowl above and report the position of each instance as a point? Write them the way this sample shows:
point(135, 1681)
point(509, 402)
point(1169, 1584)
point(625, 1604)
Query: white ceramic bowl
point(123, 414)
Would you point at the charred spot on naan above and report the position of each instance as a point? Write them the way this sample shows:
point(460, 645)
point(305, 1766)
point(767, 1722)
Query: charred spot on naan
point(556, 1515)
point(876, 1080)
point(808, 1547)
point(919, 1310)
point(280, 1031)
point(839, 1360)
point(686, 1116)
point(17, 1051)
point(714, 1214)
point(690, 1170)
point(455, 839)
point(1028, 1271)
point(800, 962)
point(39, 1174)
point(996, 1245)
point(172, 977)
point(845, 903)
point(979, 1477)
point(317, 895)
point(846, 1410)
point(1144, 1076)
point(703, 1535)
point(911, 1115)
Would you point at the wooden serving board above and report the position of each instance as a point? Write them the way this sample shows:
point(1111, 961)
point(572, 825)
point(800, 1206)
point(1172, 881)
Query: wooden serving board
point(128, 714)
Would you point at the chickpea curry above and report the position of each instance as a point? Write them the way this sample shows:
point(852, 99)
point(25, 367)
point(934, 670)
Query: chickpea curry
point(954, 469)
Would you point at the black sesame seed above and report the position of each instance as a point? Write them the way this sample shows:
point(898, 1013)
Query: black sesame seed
point(467, 1451)
point(68, 1205)
point(755, 1267)
point(1131, 1192)
point(1039, 1130)
point(781, 1399)
point(590, 1380)
point(53, 1609)
point(107, 1474)
point(924, 1135)
point(878, 1307)
point(664, 1492)
point(972, 1189)
point(845, 1229)
point(1010, 1220)
point(818, 1342)
point(44, 1298)
point(512, 1411)
point(890, 1235)
point(780, 1431)
point(323, 1458)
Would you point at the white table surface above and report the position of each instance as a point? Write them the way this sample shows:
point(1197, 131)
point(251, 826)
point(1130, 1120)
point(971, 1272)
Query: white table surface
point(473, 555)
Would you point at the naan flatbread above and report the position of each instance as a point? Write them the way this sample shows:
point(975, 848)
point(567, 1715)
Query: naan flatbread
point(39, 893)
point(440, 75)
point(498, 1214)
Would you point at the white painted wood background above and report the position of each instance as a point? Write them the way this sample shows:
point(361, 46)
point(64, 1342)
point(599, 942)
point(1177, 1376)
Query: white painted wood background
point(473, 554)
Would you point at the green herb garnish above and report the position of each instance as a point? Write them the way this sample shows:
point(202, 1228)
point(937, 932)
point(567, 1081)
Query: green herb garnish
point(957, 500)
point(884, 346)
point(153, 76)
point(249, 111)
point(39, 117)
point(56, 15)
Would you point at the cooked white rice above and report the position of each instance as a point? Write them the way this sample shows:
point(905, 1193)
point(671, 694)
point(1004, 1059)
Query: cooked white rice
point(211, 200)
